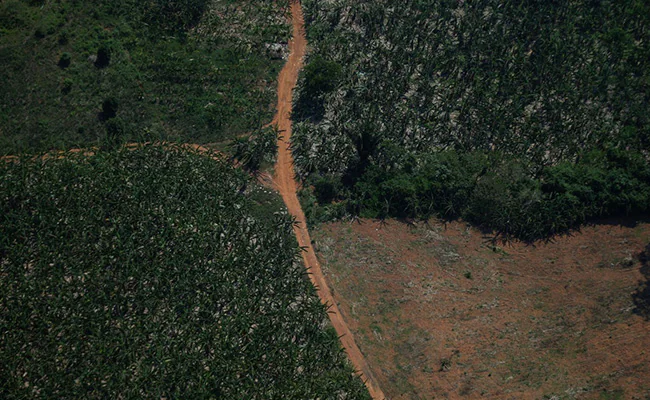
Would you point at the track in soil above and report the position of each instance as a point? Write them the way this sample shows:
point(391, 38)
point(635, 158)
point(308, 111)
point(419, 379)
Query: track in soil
point(286, 185)
point(284, 182)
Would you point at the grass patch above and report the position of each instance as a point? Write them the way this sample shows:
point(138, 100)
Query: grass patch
point(195, 70)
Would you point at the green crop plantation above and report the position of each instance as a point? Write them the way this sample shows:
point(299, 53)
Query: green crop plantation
point(77, 73)
point(156, 273)
point(151, 270)
point(526, 118)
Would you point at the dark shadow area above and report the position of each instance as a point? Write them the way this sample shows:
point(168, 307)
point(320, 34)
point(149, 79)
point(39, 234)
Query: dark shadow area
point(103, 58)
point(64, 60)
point(641, 296)
point(499, 238)
point(320, 77)
point(109, 109)
point(627, 221)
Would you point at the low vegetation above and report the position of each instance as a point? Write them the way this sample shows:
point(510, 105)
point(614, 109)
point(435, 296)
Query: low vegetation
point(527, 119)
point(156, 273)
point(257, 149)
point(74, 73)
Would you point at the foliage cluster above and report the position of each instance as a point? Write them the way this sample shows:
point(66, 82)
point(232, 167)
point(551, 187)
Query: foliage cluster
point(148, 273)
point(191, 70)
point(255, 149)
point(527, 118)
point(498, 194)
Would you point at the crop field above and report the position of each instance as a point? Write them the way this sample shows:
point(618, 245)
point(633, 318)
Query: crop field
point(156, 273)
point(75, 73)
point(441, 312)
point(526, 118)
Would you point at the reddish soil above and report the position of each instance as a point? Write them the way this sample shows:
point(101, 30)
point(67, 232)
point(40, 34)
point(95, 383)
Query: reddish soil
point(285, 183)
point(440, 312)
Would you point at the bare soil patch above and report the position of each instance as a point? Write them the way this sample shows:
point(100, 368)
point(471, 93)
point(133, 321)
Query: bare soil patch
point(441, 312)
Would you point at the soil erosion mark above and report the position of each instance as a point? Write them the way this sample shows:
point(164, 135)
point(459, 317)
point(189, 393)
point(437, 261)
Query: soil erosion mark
point(286, 185)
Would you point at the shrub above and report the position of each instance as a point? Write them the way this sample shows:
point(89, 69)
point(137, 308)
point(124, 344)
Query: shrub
point(64, 60)
point(103, 56)
point(326, 189)
point(320, 76)
point(110, 106)
point(115, 133)
point(67, 86)
point(63, 38)
point(260, 146)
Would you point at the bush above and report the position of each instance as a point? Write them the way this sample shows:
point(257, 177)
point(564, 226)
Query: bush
point(63, 38)
point(110, 105)
point(115, 133)
point(320, 76)
point(432, 184)
point(103, 56)
point(326, 189)
point(67, 86)
point(261, 146)
point(64, 60)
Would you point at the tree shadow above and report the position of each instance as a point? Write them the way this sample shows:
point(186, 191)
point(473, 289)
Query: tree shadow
point(626, 221)
point(504, 238)
point(641, 296)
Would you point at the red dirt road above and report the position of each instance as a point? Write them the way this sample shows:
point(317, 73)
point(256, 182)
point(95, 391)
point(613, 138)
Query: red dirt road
point(285, 183)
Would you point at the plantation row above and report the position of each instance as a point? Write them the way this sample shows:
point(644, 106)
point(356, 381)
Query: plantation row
point(528, 118)
point(78, 73)
point(156, 273)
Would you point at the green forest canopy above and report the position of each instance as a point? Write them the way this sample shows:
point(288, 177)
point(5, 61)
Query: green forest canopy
point(153, 272)
point(528, 118)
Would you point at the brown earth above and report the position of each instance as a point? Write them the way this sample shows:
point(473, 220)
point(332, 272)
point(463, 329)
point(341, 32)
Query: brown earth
point(285, 183)
point(441, 312)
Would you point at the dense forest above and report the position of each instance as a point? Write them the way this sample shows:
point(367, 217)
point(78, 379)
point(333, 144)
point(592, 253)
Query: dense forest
point(76, 73)
point(527, 118)
point(156, 273)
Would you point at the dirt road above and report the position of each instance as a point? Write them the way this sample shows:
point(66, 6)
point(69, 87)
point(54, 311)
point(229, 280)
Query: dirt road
point(286, 185)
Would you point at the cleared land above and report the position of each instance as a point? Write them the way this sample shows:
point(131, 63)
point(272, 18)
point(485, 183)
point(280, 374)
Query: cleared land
point(441, 312)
